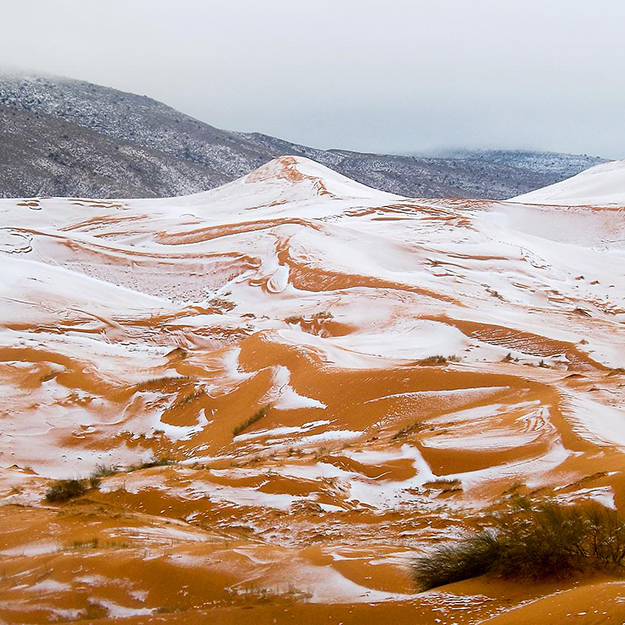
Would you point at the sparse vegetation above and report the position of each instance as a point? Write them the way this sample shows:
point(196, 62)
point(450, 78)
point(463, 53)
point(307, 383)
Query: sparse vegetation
point(510, 358)
point(160, 461)
point(103, 470)
point(257, 416)
point(543, 541)
point(64, 490)
point(96, 543)
point(320, 316)
point(444, 485)
point(188, 399)
point(222, 304)
point(415, 426)
point(174, 380)
point(86, 544)
point(439, 360)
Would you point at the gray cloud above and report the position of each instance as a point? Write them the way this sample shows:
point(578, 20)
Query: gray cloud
point(397, 75)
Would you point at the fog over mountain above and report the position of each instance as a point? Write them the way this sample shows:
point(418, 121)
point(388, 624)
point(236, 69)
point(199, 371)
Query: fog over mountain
point(412, 75)
point(65, 137)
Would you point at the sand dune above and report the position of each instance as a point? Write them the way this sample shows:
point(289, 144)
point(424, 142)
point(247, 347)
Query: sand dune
point(339, 378)
point(602, 185)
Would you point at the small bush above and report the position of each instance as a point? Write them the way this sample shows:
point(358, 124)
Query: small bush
point(547, 541)
point(439, 360)
point(510, 358)
point(468, 558)
point(257, 416)
point(161, 461)
point(65, 490)
point(103, 470)
point(446, 485)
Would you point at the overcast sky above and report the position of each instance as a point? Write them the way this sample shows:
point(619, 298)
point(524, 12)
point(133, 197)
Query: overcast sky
point(385, 75)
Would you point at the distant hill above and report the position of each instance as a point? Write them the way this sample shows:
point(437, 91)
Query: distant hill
point(61, 137)
point(554, 163)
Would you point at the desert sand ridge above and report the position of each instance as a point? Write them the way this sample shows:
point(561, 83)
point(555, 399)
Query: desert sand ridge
point(333, 379)
point(602, 185)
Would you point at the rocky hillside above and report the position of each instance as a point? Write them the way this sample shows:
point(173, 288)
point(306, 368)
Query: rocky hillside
point(63, 137)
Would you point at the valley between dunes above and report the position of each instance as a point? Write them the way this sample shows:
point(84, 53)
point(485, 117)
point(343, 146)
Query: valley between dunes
point(326, 379)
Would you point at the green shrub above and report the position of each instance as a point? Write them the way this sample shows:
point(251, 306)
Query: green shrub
point(545, 541)
point(64, 490)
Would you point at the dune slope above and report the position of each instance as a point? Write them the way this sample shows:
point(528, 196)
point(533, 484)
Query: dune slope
point(302, 382)
point(602, 185)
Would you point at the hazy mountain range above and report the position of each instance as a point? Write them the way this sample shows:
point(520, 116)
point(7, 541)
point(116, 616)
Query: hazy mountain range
point(65, 137)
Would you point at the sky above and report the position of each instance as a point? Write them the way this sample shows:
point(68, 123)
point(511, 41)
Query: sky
point(395, 76)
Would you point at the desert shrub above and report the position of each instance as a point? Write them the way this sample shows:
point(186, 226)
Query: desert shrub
point(257, 416)
point(103, 470)
point(470, 557)
point(160, 461)
point(544, 541)
point(446, 485)
point(415, 426)
point(440, 360)
point(64, 490)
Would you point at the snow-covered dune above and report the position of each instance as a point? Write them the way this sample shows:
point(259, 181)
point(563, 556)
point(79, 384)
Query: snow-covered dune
point(602, 185)
point(336, 376)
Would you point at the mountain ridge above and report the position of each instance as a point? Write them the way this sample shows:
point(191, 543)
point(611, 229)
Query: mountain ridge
point(127, 145)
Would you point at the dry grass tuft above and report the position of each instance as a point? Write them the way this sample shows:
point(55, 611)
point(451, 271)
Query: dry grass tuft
point(257, 416)
point(537, 542)
point(439, 360)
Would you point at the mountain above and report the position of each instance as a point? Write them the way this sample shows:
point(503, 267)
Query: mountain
point(285, 388)
point(64, 137)
point(547, 163)
point(603, 185)
point(45, 155)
